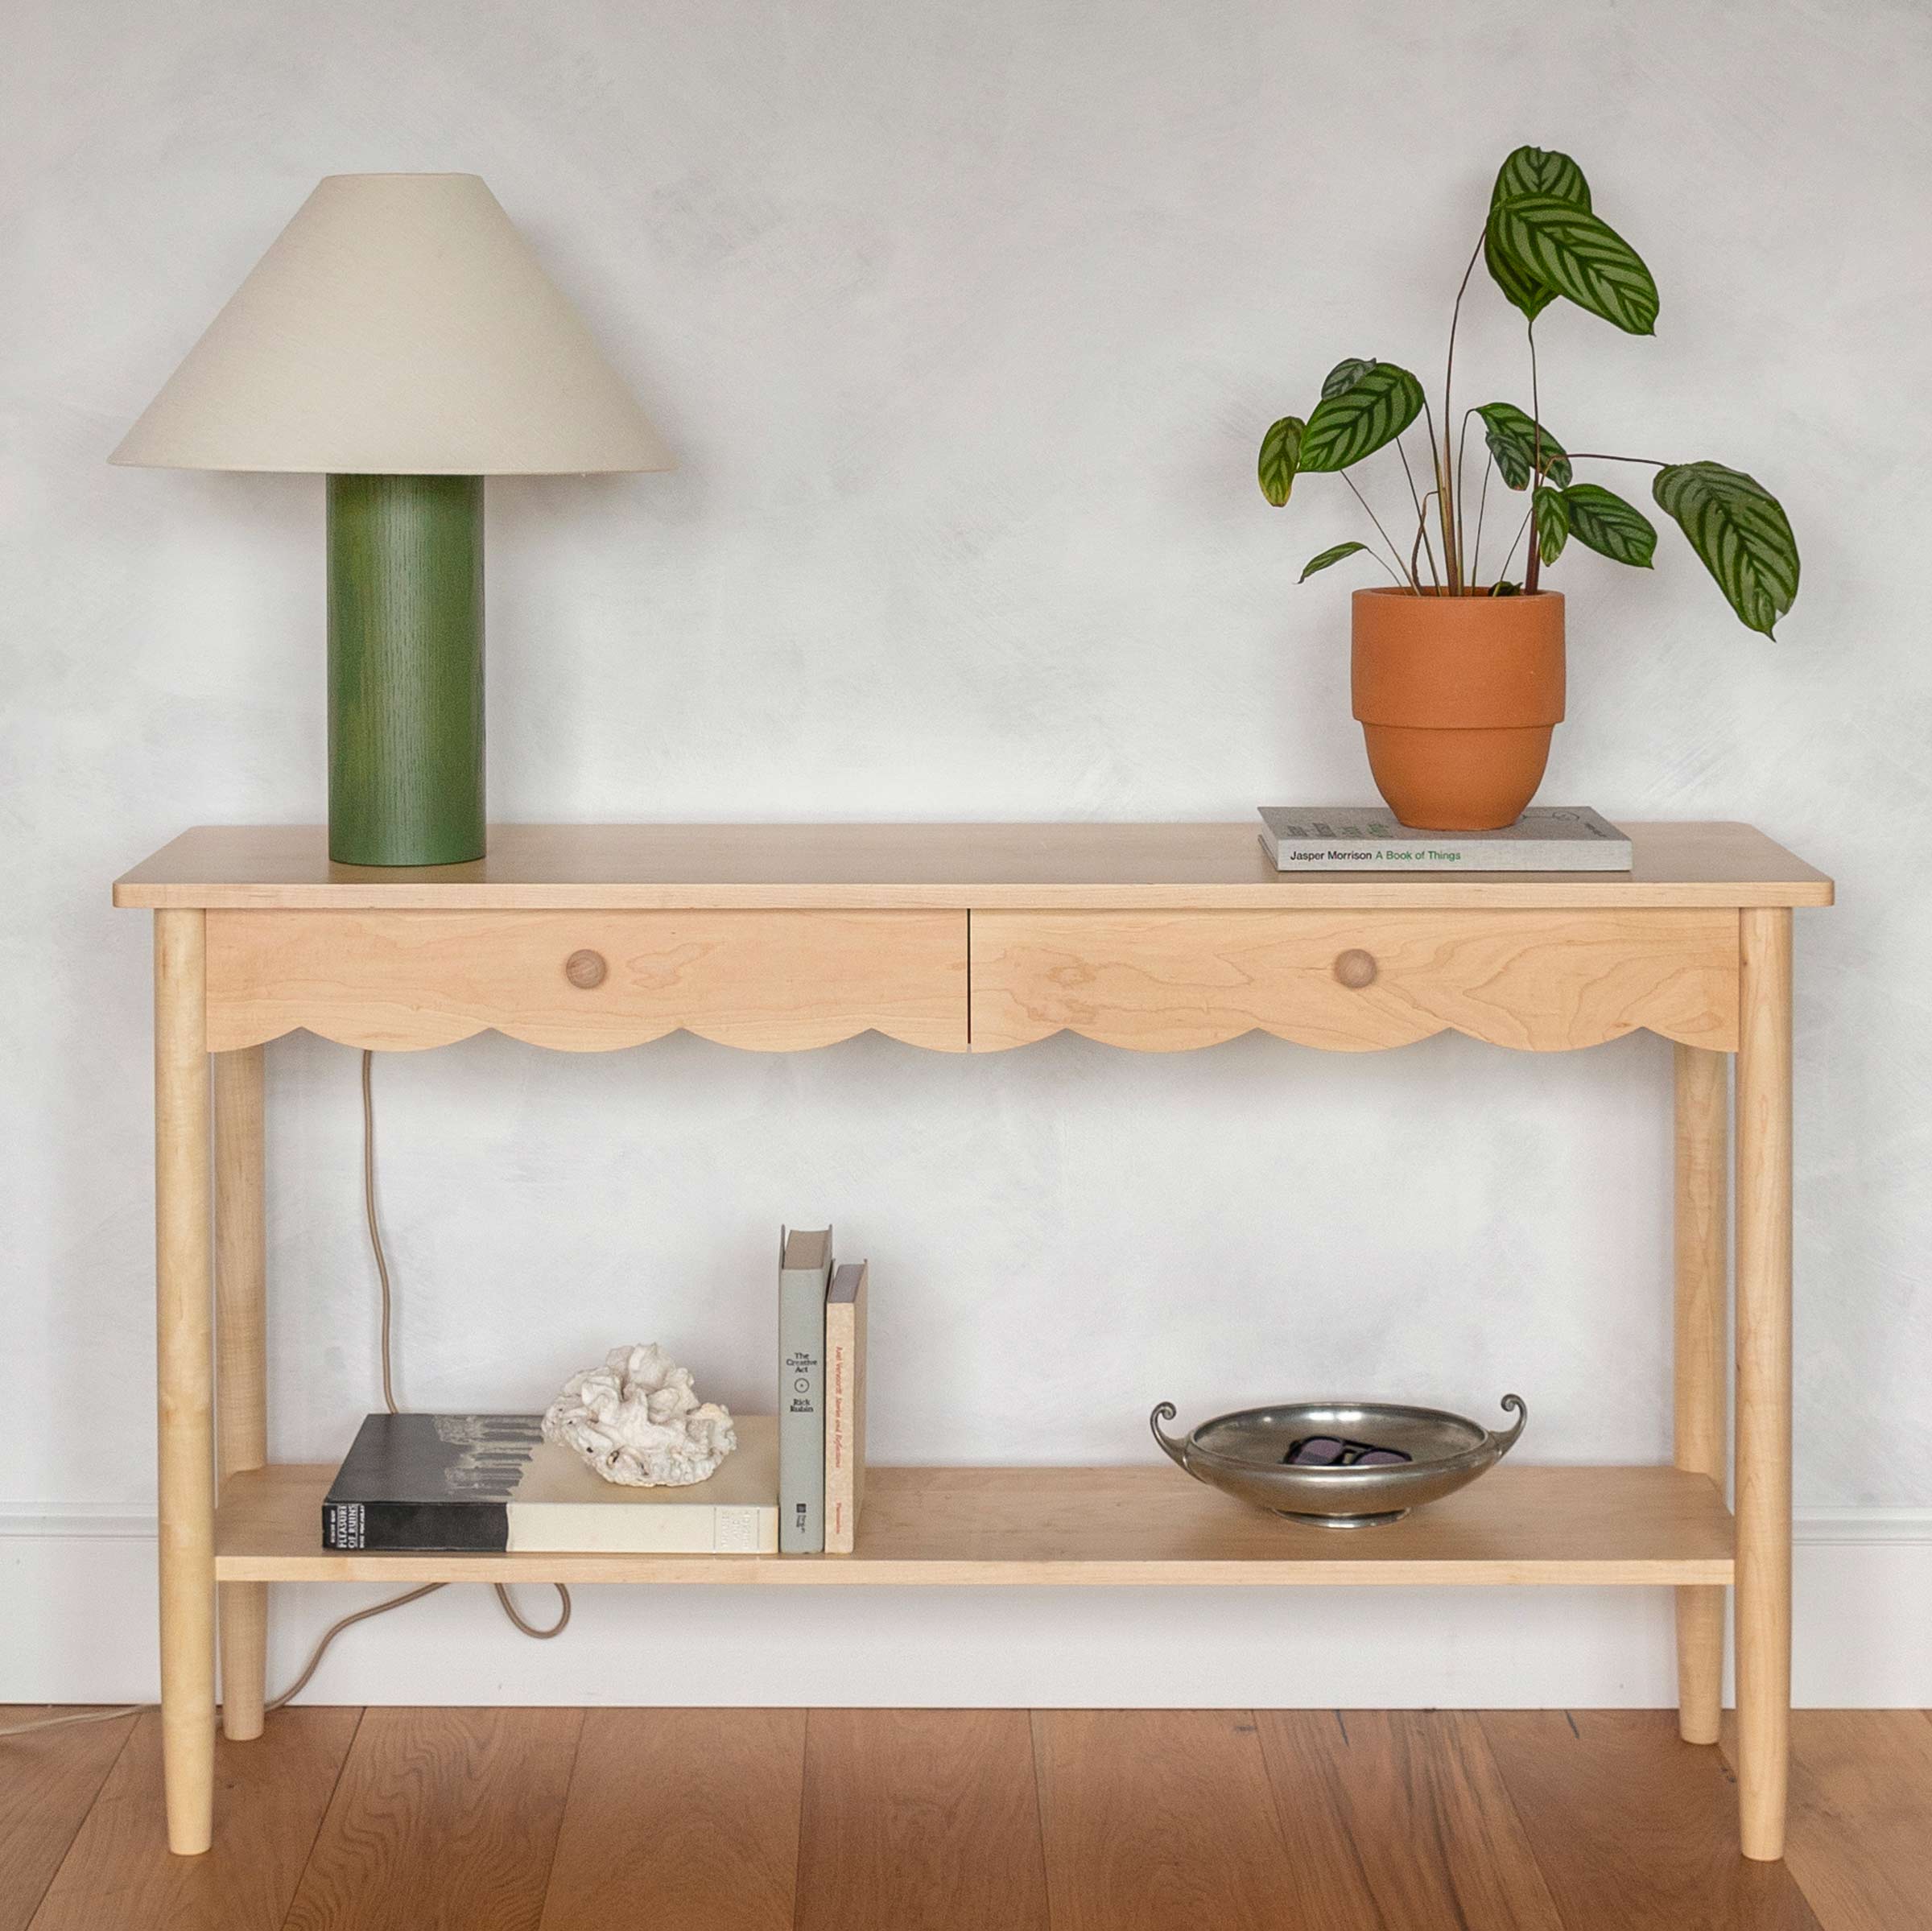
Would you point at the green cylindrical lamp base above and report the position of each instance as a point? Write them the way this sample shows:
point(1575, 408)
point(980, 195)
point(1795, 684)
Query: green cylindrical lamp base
point(405, 670)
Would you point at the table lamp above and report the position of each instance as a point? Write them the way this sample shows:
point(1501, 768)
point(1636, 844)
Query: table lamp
point(400, 338)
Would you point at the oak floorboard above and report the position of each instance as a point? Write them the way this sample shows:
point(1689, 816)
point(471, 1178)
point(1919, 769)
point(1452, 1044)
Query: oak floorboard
point(1635, 1829)
point(48, 1780)
point(919, 1820)
point(1397, 1820)
point(1858, 1837)
point(443, 1820)
point(269, 1797)
point(1385, 1821)
point(1155, 1818)
point(696, 1810)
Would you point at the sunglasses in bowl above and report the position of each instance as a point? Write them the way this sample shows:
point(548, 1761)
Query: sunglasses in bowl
point(1334, 1451)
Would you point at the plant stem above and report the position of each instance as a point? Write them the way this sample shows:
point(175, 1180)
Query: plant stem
point(1421, 538)
point(1482, 505)
point(1520, 528)
point(1452, 504)
point(1464, 561)
point(1533, 569)
point(1418, 501)
point(1597, 455)
point(1442, 479)
point(1377, 522)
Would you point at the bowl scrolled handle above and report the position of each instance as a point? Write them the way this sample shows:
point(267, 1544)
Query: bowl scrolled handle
point(1504, 1443)
point(1176, 1452)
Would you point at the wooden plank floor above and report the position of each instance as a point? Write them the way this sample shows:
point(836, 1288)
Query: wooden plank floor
point(752, 1820)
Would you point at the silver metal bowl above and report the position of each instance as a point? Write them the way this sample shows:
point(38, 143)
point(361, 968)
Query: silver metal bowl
point(1243, 1452)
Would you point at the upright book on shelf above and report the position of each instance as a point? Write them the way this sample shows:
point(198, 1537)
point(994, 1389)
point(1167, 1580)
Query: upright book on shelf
point(804, 1272)
point(491, 1483)
point(1355, 838)
point(844, 1405)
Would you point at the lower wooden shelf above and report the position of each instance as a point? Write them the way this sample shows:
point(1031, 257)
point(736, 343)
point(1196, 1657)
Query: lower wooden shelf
point(1119, 1526)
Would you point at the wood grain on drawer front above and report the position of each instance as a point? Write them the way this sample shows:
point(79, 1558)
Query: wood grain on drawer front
point(1165, 982)
point(772, 981)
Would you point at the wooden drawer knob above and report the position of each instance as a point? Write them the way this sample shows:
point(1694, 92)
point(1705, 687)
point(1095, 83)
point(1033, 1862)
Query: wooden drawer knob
point(586, 969)
point(1355, 969)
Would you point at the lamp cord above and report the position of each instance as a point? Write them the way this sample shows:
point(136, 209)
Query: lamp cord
point(388, 1401)
point(375, 1228)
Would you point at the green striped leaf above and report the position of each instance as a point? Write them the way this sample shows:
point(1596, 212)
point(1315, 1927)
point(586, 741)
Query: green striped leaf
point(1600, 520)
point(1521, 287)
point(1739, 531)
point(1279, 448)
point(1328, 557)
point(1557, 244)
point(1381, 403)
point(1515, 443)
point(1541, 170)
point(1552, 516)
point(1345, 375)
point(1506, 590)
point(1530, 171)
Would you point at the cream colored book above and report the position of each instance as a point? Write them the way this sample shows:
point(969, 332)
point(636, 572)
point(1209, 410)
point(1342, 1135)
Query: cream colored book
point(562, 1504)
point(844, 1406)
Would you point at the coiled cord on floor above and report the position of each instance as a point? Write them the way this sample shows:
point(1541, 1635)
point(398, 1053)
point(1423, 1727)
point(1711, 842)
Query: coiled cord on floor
point(388, 1401)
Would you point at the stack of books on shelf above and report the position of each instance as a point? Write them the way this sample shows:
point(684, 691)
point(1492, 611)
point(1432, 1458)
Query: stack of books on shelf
point(485, 1483)
point(478, 1484)
point(821, 1396)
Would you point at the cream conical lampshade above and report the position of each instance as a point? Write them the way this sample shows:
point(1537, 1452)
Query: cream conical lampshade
point(399, 326)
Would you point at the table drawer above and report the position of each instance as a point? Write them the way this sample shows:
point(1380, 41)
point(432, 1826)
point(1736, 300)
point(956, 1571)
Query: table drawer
point(1165, 982)
point(773, 981)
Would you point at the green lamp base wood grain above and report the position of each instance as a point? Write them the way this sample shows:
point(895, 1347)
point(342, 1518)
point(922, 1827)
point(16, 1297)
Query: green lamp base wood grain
point(405, 670)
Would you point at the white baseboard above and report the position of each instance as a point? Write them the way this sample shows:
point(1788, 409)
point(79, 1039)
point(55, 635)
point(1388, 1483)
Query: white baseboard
point(77, 1594)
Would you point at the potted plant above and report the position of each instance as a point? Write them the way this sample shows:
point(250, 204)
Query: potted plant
point(1459, 682)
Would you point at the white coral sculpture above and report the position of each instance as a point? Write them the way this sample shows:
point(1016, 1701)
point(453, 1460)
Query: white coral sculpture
point(636, 1421)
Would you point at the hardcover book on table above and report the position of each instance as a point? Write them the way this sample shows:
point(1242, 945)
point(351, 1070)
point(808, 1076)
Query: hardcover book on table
point(490, 1484)
point(1356, 838)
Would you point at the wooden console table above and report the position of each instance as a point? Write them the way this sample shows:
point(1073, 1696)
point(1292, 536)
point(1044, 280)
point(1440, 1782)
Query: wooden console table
point(974, 938)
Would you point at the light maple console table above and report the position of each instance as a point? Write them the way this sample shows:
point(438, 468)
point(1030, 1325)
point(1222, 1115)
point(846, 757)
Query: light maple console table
point(976, 939)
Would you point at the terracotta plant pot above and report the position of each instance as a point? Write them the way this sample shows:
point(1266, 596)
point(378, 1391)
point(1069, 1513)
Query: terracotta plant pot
point(1457, 696)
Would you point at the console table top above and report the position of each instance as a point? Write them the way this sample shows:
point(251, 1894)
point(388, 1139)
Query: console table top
point(1062, 867)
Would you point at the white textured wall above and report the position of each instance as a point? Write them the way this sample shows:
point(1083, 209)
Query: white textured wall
point(965, 321)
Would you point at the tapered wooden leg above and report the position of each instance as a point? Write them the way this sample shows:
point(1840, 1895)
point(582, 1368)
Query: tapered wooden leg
point(241, 1362)
point(1764, 1382)
point(1702, 1103)
point(185, 1375)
